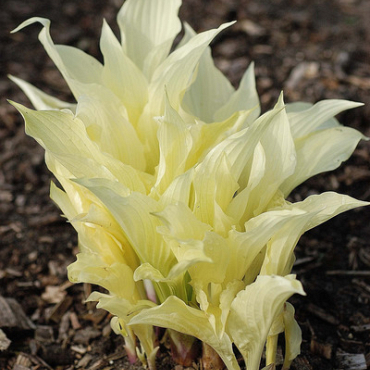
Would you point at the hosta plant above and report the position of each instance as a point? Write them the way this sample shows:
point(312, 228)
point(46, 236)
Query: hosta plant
point(177, 187)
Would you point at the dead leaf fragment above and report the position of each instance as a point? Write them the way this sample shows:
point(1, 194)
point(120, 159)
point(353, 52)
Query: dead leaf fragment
point(351, 361)
point(4, 341)
point(12, 315)
point(53, 294)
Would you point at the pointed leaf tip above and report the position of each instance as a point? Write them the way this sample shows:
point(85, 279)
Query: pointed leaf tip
point(44, 21)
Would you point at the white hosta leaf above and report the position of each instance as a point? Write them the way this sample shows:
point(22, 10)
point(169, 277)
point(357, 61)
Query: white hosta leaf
point(75, 201)
point(119, 327)
point(122, 76)
point(279, 161)
point(223, 166)
point(134, 215)
point(214, 186)
point(279, 256)
point(216, 249)
point(188, 34)
point(321, 151)
point(244, 247)
point(226, 298)
point(175, 143)
point(124, 309)
point(209, 82)
point(184, 233)
point(205, 136)
point(73, 63)
point(90, 268)
point(239, 147)
point(307, 118)
point(180, 223)
point(325, 206)
point(147, 271)
point(174, 74)
point(98, 232)
point(316, 209)
point(147, 352)
point(39, 99)
point(70, 209)
point(175, 282)
point(293, 336)
point(119, 306)
point(300, 106)
point(238, 208)
point(244, 98)
point(64, 137)
point(176, 71)
point(59, 132)
point(253, 312)
point(94, 238)
point(107, 125)
point(175, 314)
point(277, 327)
point(178, 191)
point(208, 297)
point(146, 26)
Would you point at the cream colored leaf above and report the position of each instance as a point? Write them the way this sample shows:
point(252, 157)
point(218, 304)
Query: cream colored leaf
point(244, 247)
point(118, 306)
point(122, 309)
point(237, 150)
point(296, 107)
point(176, 71)
point(244, 98)
point(321, 151)
point(279, 160)
point(175, 314)
point(175, 75)
point(206, 136)
point(74, 64)
point(39, 99)
point(325, 206)
point(64, 137)
point(98, 232)
point(279, 257)
point(316, 210)
point(226, 298)
point(181, 223)
point(239, 147)
point(175, 143)
point(122, 76)
point(215, 248)
point(178, 191)
point(184, 233)
point(209, 82)
point(107, 125)
point(253, 312)
point(239, 208)
point(145, 25)
point(90, 268)
point(293, 336)
point(305, 119)
point(214, 185)
point(134, 214)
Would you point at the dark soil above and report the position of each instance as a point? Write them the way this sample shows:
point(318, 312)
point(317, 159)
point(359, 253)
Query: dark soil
point(311, 49)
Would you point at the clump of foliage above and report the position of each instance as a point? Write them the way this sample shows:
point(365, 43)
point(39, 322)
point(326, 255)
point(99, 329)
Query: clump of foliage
point(177, 186)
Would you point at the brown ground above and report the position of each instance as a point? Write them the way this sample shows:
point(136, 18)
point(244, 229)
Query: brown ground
point(312, 49)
